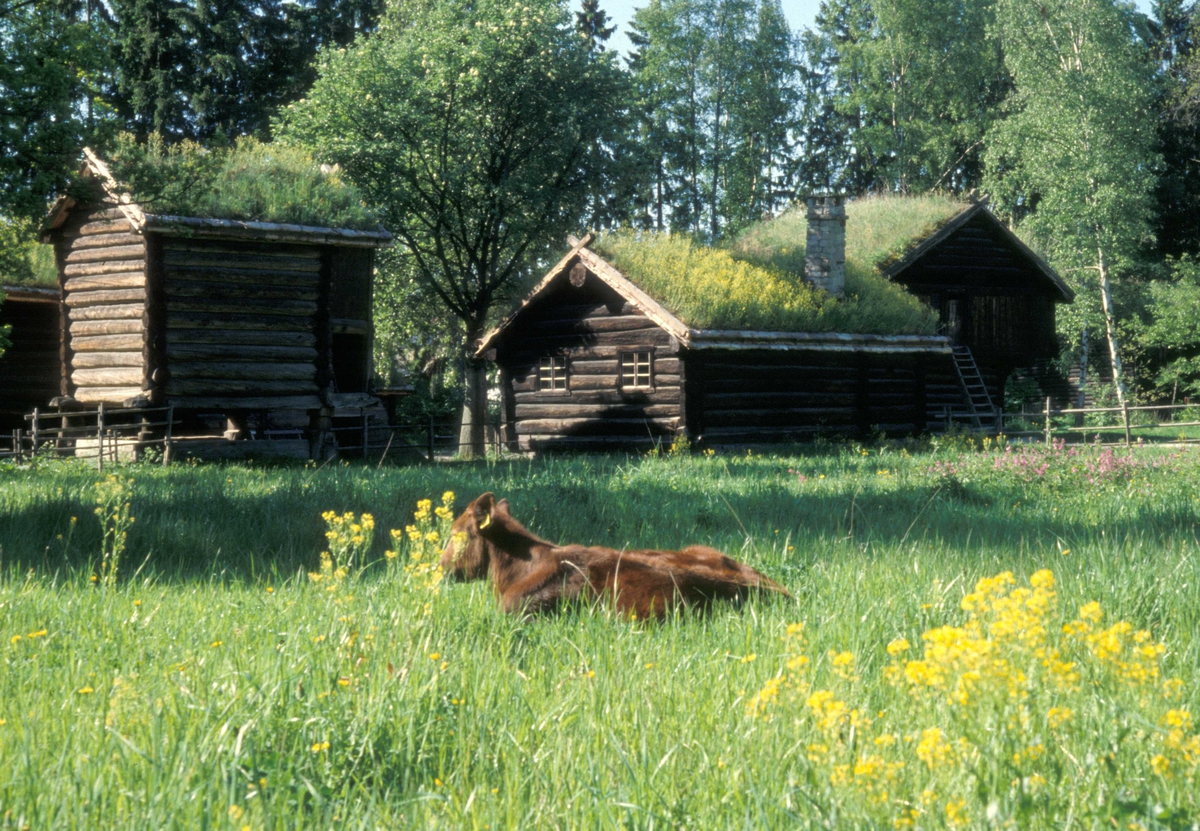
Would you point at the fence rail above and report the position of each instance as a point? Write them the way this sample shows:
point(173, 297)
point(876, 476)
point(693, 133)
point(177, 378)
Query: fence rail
point(430, 437)
point(105, 434)
point(1125, 426)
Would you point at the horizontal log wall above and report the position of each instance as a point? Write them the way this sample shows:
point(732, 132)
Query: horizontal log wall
point(595, 412)
point(753, 397)
point(239, 323)
point(103, 272)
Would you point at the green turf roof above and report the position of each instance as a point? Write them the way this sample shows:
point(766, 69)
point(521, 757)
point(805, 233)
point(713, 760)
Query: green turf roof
point(756, 283)
point(249, 181)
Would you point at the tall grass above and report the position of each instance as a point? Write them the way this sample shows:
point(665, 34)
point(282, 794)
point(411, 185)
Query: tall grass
point(744, 288)
point(220, 686)
point(249, 180)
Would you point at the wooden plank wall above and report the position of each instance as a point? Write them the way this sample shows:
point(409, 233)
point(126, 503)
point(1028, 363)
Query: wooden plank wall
point(239, 328)
point(595, 412)
point(29, 370)
point(102, 268)
point(747, 397)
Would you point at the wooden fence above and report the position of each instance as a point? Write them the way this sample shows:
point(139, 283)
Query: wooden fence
point(1118, 423)
point(431, 438)
point(106, 434)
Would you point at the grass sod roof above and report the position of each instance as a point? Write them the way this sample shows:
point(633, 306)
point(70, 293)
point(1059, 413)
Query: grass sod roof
point(251, 186)
point(756, 283)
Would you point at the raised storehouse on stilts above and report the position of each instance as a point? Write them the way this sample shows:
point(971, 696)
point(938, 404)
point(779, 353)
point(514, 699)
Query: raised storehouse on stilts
point(628, 342)
point(253, 329)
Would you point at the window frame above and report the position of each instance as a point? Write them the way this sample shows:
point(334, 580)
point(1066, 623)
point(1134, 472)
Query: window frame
point(556, 374)
point(634, 354)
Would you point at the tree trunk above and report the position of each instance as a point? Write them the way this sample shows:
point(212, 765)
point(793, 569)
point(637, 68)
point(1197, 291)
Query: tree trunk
point(472, 435)
point(1110, 330)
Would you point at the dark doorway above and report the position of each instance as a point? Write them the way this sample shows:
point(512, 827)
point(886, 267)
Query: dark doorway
point(351, 360)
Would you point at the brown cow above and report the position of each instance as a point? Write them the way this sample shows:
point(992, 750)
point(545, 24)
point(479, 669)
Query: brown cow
point(531, 574)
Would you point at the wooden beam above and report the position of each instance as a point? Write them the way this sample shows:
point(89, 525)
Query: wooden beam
point(118, 280)
point(260, 402)
point(108, 343)
point(266, 371)
point(88, 360)
point(204, 337)
point(235, 352)
point(107, 327)
point(235, 386)
point(114, 311)
point(258, 323)
point(92, 395)
point(119, 252)
point(109, 377)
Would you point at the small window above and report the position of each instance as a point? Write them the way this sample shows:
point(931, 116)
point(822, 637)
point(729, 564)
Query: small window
point(635, 370)
point(552, 374)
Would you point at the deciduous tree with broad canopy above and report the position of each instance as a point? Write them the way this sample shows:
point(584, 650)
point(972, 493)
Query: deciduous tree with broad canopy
point(468, 123)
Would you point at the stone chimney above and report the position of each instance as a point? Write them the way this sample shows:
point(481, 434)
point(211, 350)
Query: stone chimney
point(825, 252)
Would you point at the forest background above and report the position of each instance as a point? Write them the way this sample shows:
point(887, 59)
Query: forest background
point(1078, 118)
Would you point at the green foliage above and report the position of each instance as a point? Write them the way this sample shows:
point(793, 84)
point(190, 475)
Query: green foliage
point(255, 696)
point(716, 83)
point(248, 181)
point(4, 330)
point(471, 126)
point(1074, 160)
point(468, 124)
point(214, 70)
point(907, 90)
point(52, 59)
point(1173, 330)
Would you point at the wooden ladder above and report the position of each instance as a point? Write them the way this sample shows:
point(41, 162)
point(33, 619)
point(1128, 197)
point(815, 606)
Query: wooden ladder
point(975, 391)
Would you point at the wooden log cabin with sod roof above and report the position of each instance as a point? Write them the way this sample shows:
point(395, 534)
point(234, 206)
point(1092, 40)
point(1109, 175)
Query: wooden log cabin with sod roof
point(595, 358)
point(256, 326)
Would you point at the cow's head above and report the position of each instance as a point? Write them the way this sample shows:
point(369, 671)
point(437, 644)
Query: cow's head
point(468, 554)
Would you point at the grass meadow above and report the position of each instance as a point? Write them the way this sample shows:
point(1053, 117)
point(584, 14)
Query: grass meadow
point(976, 638)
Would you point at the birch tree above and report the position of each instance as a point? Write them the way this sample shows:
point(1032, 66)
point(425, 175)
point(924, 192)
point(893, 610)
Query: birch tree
point(1075, 153)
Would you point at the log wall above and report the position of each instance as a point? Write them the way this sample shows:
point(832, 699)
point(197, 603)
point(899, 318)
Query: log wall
point(29, 370)
point(102, 272)
point(239, 323)
point(748, 397)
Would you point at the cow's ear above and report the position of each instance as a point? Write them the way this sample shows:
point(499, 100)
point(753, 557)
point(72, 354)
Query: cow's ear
point(501, 507)
point(484, 506)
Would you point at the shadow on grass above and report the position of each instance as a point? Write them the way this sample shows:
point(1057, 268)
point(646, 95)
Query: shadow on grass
point(244, 522)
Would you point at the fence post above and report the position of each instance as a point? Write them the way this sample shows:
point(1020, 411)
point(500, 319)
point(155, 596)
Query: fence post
point(100, 438)
point(1049, 429)
point(167, 437)
point(34, 446)
point(16, 440)
point(430, 443)
point(362, 413)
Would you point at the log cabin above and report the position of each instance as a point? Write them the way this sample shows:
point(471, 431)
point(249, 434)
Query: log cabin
point(260, 327)
point(610, 351)
point(29, 369)
point(994, 296)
